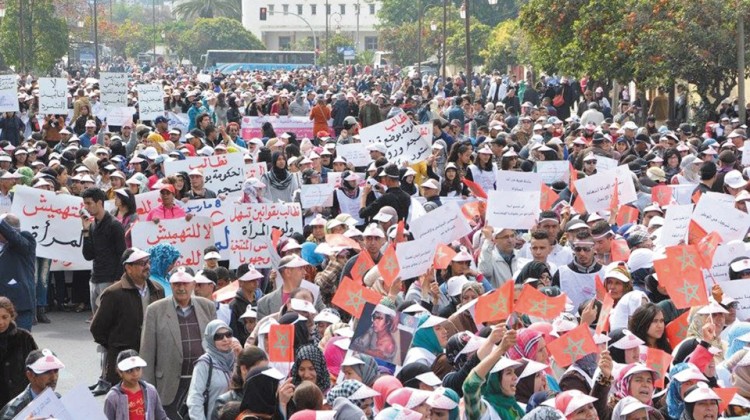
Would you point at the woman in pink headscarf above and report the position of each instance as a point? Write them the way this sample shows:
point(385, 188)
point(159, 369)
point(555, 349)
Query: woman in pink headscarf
point(334, 354)
point(385, 385)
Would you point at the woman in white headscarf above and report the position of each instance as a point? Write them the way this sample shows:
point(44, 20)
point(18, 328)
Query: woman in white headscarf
point(252, 191)
point(689, 173)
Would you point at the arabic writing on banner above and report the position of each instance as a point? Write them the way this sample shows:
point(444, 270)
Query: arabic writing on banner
point(250, 228)
point(401, 138)
point(53, 220)
point(425, 131)
point(604, 163)
point(216, 210)
point(713, 215)
point(723, 256)
point(356, 153)
point(53, 96)
point(676, 223)
point(113, 89)
point(414, 258)
point(596, 190)
point(518, 181)
point(223, 174)
point(316, 195)
point(740, 290)
point(445, 224)
point(190, 238)
point(57, 265)
point(553, 171)
point(150, 102)
point(252, 127)
point(8, 93)
point(512, 209)
point(118, 116)
point(255, 170)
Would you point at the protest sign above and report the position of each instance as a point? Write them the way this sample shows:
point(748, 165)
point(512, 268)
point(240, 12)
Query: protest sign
point(255, 170)
point(553, 171)
point(725, 199)
point(53, 221)
point(316, 195)
point(356, 153)
point(250, 223)
point(216, 210)
point(746, 153)
point(675, 226)
point(113, 88)
point(596, 190)
point(222, 174)
point(82, 403)
point(740, 290)
point(723, 256)
point(604, 163)
point(190, 238)
point(57, 265)
point(45, 406)
point(53, 96)
point(392, 346)
point(425, 132)
point(414, 258)
point(118, 116)
point(334, 178)
point(401, 138)
point(443, 225)
point(512, 209)
point(712, 214)
point(682, 194)
point(150, 102)
point(8, 93)
point(518, 181)
point(252, 127)
point(204, 78)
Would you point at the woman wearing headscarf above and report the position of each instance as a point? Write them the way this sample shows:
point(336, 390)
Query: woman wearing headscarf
point(689, 167)
point(463, 363)
point(250, 357)
point(698, 318)
point(633, 381)
point(366, 372)
point(163, 258)
point(212, 371)
point(444, 404)
point(334, 353)
point(260, 396)
point(531, 379)
point(428, 342)
point(701, 402)
point(385, 385)
point(310, 365)
point(280, 183)
point(357, 393)
point(682, 377)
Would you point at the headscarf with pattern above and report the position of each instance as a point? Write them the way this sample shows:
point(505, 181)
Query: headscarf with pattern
point(312, 353)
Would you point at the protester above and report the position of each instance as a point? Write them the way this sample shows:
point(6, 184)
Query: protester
point(42, 372)
point(132, 397)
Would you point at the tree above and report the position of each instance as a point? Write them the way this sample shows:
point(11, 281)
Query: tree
point(38, 41)
point(335, 43)
point(394, 13)
point(210, 9)
point(456, 43)
point(506, 46)
point(216, 34)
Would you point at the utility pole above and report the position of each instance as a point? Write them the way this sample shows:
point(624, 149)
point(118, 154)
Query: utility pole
point(741, 61)
point(21, 34)
point(419, 39)
point(327, 34)
point(442, 46)
point(468, 48)
point(96, 42)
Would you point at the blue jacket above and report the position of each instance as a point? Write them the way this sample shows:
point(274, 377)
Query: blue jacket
point(339, 112)
point(17, 273)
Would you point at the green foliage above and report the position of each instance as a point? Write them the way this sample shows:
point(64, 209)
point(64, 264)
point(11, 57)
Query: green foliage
point(506, 46)
point(216, 33)
point(366, 57)
point(210, 9)
point(394, 13)
point(45, 36)
point(456, 43)
point(331, 55)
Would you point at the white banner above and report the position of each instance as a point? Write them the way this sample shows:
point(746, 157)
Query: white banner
point(113, 88)
point(512, 210)
point(554, 171)
point(8, 93)
point(301, 126)
point(738, 289)
point(596, 190)
point(604, 163)
point(118, 116)
point(53, 220)
point(217, 210)
point(444, 225)
point(713, 215)
point(400, 137)
point(190, 238)
point(53, 96)
point(723, 256)
point(150, 101)
point(676, 223)
point(682, 193)
point(250, 227)
point(255, 170)
point(223, 174)
point(356, 153)
point(316, 195)
point(414, 258)
point(518, 181)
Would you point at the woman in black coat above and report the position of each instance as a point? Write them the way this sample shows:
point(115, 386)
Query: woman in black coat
point(15, 344)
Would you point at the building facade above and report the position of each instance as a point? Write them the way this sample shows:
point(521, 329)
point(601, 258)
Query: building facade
point(292, 24)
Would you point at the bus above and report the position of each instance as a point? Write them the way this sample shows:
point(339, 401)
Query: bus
point(227, 61)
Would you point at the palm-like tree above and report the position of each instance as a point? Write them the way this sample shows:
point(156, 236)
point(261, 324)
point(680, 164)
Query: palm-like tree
point(210, 9)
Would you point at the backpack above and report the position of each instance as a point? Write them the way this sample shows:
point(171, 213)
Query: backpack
point(183, 410)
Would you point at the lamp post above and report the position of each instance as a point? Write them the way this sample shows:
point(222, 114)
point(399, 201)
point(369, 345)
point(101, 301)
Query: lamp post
point(327, 34)
point(466, 14)
point(442, 45)
point(96, 43)
point(153, 25)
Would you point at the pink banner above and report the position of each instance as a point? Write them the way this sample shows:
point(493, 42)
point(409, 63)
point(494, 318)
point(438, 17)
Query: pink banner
point(300, 126)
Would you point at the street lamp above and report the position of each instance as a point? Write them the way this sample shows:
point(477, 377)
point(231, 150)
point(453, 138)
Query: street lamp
point(433, 26)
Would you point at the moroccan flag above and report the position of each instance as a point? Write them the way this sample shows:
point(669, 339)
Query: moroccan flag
point(726, 395)
point(696, 197)
point(658, 360)
point(572, 346)
point(573, 178)
point(352, 296)
point(400, 232)
point(607, 304)
point(687, 288)
point(707, 248)
point(548, 198)
point(227, 292)
point(443, 256)
point(388, 266)
point(619, 250)
point(601, 291)
point(536, 303)
point(361, 266)
point(626, 214)
point(614, 202)
point(281, 343)
point(661, 195)
point(578, 205)
point(475, 189)
point(677, 329)
point(473, 209)
point(695, 233)
point(275, 236)
point(495, 306)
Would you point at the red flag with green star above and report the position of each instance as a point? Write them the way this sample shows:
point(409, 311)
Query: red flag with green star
point(607, 304)
point(695, 232)
point(361, 266)
point(443, 256)
point(626, 214)
point(281, 343)
point(687, 288)
point(572, 346)
point(536, 303)
point(659, 361)
point(619, 250)
point(388, 266)
point(707, 248)
point(548, 198)
point(578, 205)
point(475, 189)
point(495, 306)
point(352, 296)
point(677, 329)
point(661, 195)
point(601, 291)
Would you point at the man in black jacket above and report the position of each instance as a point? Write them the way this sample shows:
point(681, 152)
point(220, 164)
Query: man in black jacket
point(393, 196)
point(17, 276)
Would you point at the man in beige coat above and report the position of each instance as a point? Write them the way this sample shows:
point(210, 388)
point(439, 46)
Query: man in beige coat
point(171, 340)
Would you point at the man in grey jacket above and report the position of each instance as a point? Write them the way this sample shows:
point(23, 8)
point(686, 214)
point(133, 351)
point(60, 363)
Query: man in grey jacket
point(292, 271)
point(498, 261)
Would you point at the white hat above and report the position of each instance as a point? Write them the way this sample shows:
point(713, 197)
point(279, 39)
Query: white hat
point(503, 364)
point(295, 262)
point(569, 401)
point(137, 255)
point(133, 181)
point(734, 179)
point(532, 368)
point(5, 158)
point(628, 341)
point(377, 147)
point(327, 315)
point(456, 284)
point(351, 177)
point(181, 276)
point(440, 401)
point(46, 363)
point(80, 169)
point(200, 278)
point(42, 183)
point(373, 230)
point(87, 178)
point(318, 220)
point(304, 306)
point(363, 392)
point(383, 217)
point(131, 363)
point(712, 308)
point(353, 232)
point(630, 405)
point(702, 393)
point(462, 255)
point(640, 258)
point(408, 397)
point(432, 321)
point(600, 338)
point(740, 265)
point(742, 196)
point(213, 255)
point(692, 373)
point(653, 207)
point(195, 172)
point(350, 360)
point(430, 183)
point(616, 274)
point(417, 308)
point(429, 379)
point(291, 244)
point(249, 313)
point(630, 125)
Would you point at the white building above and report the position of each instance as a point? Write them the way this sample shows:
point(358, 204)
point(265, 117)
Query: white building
point(291, 21)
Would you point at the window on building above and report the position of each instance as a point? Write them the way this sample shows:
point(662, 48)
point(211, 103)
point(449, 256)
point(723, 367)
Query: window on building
point(270, 9)
point(313, 9)
point(371, 43)
point(299, 9)
point(285, 42)
point(285, 7)
point(342, 9)
point(372, 9)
